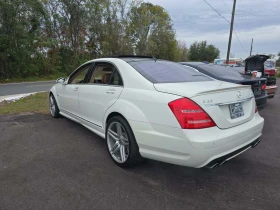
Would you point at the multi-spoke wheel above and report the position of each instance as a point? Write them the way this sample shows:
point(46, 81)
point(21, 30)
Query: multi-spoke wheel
point(118, 143)
point(53, 107)
point(121, 142)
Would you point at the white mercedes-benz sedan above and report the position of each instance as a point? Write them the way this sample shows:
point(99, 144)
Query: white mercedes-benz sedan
point(161, 110)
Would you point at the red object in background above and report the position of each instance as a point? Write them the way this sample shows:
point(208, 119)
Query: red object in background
point(270, 71)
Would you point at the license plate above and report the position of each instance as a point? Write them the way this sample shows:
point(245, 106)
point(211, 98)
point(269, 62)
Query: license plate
point(257, 91)
point(236, 110)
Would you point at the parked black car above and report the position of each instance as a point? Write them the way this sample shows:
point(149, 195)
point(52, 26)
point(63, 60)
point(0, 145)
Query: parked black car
point(227, 74)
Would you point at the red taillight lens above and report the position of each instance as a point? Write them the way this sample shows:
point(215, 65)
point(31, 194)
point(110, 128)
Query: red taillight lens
point(263, 86)
point(190, 115)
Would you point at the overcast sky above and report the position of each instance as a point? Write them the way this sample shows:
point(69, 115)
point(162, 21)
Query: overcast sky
point(194, 20)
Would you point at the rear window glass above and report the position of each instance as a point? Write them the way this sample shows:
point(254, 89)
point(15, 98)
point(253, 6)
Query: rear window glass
point(219, 71)
point(167, 72)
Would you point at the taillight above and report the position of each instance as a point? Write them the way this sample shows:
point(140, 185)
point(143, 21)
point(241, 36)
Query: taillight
point(190, 115)
point(263, 87)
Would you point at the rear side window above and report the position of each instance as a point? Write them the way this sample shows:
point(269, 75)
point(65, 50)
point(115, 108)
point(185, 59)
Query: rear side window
point(167, 72)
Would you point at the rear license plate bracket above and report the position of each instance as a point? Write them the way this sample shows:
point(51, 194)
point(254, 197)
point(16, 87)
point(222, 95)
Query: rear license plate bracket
point(257, 90)
point(236, 110)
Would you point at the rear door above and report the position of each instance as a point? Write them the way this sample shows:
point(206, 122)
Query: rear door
point(68, 94)
point(104, 88)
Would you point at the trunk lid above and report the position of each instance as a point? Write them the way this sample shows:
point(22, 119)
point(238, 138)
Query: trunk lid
point(216, 98)
point(255, 63)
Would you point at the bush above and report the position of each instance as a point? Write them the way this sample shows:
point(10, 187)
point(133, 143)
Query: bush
point(278, 73)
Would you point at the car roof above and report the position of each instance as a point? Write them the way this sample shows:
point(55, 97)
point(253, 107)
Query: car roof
point(126, 58)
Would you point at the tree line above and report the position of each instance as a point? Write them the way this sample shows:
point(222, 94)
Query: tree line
point(45, 37)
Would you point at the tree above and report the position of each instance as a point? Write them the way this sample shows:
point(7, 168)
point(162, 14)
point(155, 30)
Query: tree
point(151, 32)
point(203, 52)
point(181, 53)
point(45, 37)
point(20, 28)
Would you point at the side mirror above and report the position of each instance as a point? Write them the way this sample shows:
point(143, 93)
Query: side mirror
point(61, 80)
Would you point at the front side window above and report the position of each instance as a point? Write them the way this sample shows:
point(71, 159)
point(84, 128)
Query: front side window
point(167, 72)
point(106, 74)
point(80, 75)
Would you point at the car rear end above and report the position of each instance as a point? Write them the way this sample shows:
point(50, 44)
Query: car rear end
point(235, 75)
point(258, 86)
point(217, 123)
point(271, 72)
point(198, 122)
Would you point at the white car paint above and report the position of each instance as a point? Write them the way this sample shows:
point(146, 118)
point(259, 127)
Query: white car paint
point(158, 134)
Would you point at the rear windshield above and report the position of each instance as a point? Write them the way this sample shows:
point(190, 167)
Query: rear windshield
point(220, 71)
point(167, 72)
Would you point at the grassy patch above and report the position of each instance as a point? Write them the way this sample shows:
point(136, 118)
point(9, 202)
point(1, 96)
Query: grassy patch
point(38, 102)
point(278, 72)
point(32, 79)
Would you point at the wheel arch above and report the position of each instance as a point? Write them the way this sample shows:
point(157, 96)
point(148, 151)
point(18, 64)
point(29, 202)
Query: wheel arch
point(127, 110)
point(113, 114)
point(53, 92)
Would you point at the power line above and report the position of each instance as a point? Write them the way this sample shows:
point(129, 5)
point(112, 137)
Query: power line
point(228, 22)
point(242, 17)
point(226, 6)
point(240, 42)
point(216, 11)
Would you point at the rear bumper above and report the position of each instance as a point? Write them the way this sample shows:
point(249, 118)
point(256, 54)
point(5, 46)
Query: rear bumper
point(221, 160)
point(193, 148)
point(261, 101)
point(270, 81)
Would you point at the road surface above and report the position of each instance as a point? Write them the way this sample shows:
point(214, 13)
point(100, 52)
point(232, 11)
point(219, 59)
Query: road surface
point(25, 87)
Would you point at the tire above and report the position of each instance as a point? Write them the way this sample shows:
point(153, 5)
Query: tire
point(117, 144)
point(54, 110)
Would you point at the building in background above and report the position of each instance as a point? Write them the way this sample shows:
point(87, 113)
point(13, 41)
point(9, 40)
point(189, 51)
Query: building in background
point(231, 61)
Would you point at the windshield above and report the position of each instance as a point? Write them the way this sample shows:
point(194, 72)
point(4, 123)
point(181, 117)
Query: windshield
point(167, 72)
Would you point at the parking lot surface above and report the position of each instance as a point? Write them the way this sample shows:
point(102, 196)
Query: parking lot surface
point(48, 163)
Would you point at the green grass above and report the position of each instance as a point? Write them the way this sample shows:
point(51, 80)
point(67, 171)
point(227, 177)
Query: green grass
point(32, 79)
point(38, 103)
point(278, 72)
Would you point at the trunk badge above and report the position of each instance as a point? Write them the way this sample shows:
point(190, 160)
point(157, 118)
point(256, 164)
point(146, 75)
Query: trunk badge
point(238, 94)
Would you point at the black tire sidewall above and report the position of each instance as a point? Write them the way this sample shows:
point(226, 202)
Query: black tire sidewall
point(56, 113)
point(133, 146)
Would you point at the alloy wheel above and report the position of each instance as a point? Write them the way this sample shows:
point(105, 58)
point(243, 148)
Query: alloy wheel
point(52, 106)
point(117, 141)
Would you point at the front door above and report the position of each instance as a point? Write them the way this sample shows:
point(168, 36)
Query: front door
point(68, 94)
point(104, 88)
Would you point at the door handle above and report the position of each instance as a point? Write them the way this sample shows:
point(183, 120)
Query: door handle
point(111, 91)
point(76, 89)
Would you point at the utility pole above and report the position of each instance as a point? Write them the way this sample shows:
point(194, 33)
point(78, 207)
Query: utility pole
point(251, 46)
point(231, 29)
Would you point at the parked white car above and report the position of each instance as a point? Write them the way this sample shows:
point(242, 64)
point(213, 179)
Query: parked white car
point(159, 110)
